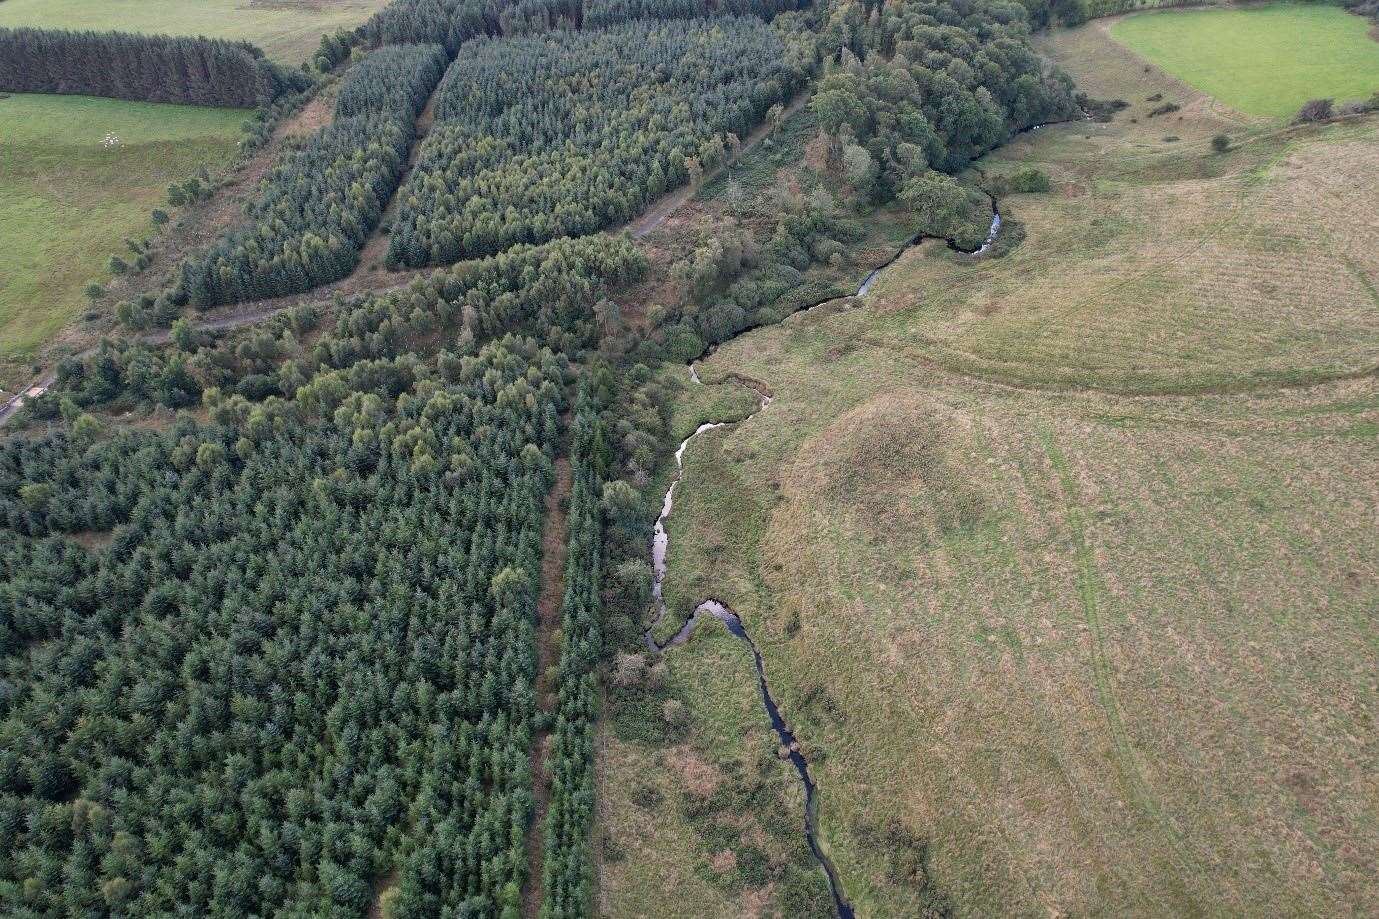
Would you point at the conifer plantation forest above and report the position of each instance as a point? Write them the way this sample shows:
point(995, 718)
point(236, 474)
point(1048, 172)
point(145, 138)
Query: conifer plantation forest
point(281, 631)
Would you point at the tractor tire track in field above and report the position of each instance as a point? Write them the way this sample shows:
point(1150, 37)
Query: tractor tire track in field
point(1090, 588)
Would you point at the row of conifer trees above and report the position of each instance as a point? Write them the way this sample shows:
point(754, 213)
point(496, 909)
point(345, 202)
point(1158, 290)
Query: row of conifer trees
point(150, 68)
point(317, 208)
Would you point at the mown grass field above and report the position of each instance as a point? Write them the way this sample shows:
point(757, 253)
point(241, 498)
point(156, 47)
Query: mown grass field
point(1057, 578)
point(67, 201)
point(1264, 61)
point(287, 30)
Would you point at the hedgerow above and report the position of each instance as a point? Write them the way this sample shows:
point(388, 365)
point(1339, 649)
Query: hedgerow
point(149, 68)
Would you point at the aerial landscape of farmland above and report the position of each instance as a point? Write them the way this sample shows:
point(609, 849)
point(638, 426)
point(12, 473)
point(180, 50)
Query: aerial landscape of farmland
point(562, 458)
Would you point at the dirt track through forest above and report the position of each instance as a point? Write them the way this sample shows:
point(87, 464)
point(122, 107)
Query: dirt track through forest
point(554, 547)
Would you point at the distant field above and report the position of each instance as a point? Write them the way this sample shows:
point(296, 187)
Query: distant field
point(286, 30)
point(1263, 61)
point(67, 201)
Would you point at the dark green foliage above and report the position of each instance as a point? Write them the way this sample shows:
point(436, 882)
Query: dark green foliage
point(305, 659)
point(950, 82)
point(318, 206)
point(1315, 110)
point(566, 133)
point(446, 22)
point(608, 12)
point(391, 81)
point(568, 863)
point(1103, 110)
point(151, 68)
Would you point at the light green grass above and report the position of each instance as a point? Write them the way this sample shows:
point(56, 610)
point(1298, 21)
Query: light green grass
point(67, 202)
point(287, 31)
point(1265, 61)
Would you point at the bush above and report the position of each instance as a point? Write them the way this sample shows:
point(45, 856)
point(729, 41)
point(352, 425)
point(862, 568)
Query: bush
point(1030, 180)
point(1314, 111)
point(1220, 143)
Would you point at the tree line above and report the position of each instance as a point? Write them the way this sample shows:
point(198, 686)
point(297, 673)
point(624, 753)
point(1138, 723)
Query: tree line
point(318, 206)
point(609, 12)
point(553, 292)
point(148, 68)
point(567, 865)
point(566, 133)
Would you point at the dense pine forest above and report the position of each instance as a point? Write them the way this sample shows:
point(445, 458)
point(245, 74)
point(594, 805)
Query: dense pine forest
point(278, 656)
point(150, 68)
point(566, 133)
point(317, 208)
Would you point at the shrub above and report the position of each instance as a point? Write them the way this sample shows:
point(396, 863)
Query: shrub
point(1220, 143)
point(1030, 180)
point(1315, 110)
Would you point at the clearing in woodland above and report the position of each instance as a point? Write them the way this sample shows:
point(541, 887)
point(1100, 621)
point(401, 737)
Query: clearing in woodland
point(1053, 646)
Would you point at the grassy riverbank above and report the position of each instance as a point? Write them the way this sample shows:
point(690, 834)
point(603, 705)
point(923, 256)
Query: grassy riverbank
point(1053, 646)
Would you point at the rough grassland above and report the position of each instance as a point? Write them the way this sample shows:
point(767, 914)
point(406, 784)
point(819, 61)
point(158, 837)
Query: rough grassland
point(1263, 61)
point(286, 30)
point(1158, 266)
point(1102, 654)
point(655, 860)
point(67, 201)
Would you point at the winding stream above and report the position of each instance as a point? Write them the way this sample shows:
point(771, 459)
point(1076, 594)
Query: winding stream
point(722, 612)
point(712, 608)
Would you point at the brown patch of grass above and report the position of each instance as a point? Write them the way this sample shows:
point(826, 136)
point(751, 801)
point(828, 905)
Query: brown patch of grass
point(697, 775)
point(92, 540)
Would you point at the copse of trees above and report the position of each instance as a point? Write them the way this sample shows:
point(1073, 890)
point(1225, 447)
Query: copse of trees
point(928, 84)
point(567, 133)
point(148, 68)
point(317, 207)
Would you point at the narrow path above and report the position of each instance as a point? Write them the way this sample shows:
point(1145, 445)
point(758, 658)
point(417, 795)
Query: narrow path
point(553, 550)
point(376, 246)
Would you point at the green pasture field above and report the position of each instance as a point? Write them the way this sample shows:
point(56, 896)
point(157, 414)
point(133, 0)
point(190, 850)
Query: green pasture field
point(67, 200)
point(1264, 61)
point(287, 30)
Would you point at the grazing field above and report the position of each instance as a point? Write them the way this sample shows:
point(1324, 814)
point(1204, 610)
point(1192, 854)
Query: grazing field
point(68, 199)
point(1264, 61)
point(1066, 591)
point(287, 30)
